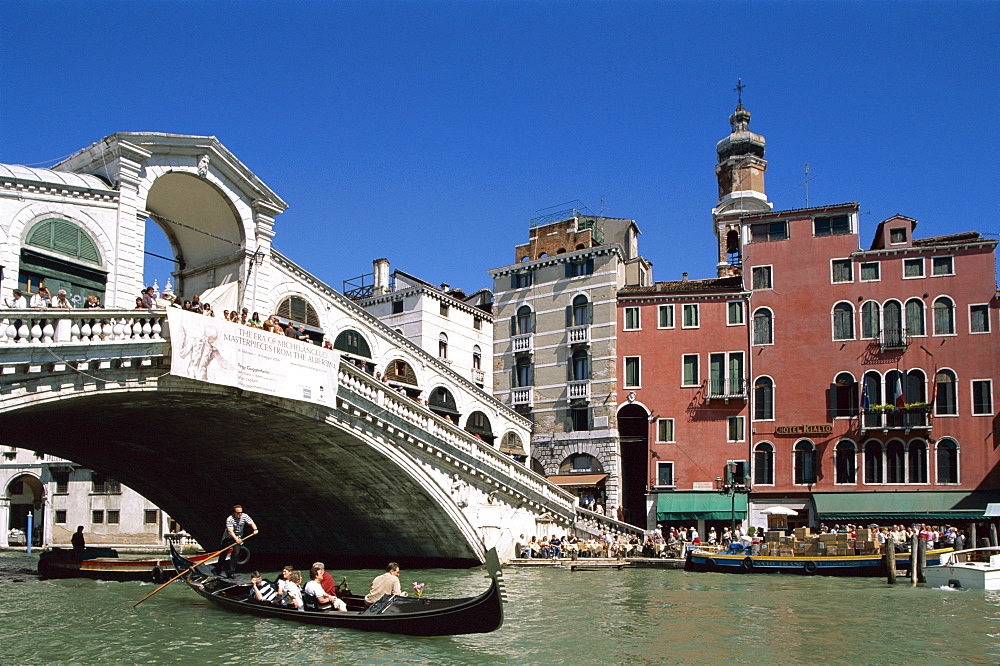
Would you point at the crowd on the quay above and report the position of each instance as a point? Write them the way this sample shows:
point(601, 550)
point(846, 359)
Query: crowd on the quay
point(602, 545)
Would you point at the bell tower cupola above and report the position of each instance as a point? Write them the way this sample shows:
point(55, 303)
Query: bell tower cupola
point(740, 173)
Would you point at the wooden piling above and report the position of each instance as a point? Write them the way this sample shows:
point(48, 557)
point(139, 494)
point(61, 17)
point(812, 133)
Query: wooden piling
point(890, 561)
point(921, 560)
point(913, 557)
point(993, 534)
point(972, 542)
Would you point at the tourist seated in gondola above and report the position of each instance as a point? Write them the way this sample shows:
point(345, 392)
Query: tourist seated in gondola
point(262, 590)
point(387, 583)
point(290, 588)
point(316, 598)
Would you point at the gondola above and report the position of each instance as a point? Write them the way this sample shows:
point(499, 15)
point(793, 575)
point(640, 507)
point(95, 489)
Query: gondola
point(105, 564)
point(391, 614)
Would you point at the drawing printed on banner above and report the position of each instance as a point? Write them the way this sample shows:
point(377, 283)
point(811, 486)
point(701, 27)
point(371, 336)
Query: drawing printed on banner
point(221, 352)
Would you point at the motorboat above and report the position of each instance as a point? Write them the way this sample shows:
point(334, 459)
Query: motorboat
point(974, 568)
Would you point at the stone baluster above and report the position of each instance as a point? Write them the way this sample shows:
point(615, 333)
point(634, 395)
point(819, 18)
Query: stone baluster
point(118, 329)
point(136, 330)
point(157, 329)
point(74, 331)
point(36, 331)
point(6, 337)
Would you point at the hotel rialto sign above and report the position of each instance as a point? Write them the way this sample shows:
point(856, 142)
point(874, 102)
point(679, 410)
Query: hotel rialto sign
point(804, 430)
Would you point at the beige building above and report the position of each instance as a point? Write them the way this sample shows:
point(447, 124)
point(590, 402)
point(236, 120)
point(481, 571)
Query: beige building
point(554, 352)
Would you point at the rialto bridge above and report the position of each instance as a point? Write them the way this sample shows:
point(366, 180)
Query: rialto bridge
point(335, 453)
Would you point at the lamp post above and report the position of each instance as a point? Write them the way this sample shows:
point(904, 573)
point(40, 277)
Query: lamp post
point(731, 488)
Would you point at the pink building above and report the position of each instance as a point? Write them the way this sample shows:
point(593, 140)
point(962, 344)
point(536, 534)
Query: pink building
point(847, 384)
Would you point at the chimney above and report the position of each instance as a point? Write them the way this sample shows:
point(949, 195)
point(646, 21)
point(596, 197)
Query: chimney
point(684, 276)
point(380, 282)
point(445, 286)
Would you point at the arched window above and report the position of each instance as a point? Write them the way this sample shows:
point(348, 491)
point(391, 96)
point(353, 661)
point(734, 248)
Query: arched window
point(400, 371)
point(443, 346)
point(947, 461)
point(523, 322)
point(914, 391)
point(477, 358)
point(763, 464)
point(895, 467)
point(512, 444)
point(581, 463)
point(763, 327)
point(873, 462)
point(352, 342)
point(805, 462)
point(41, 262)
point(479, 425)
point(65, 238)
point(871, 317)
point(893, 383)
point(844, 396)
point(523, 375)
point(892, 324)
point(442, 403)
point(944, 316)
point(946, 399)
point(871, 394)
point(915, 318)
point(917, 461)
point(579, 365)
point(298, 309)
point(846, 462)
point(763, 396)
point(581, 311)
point(843, 321)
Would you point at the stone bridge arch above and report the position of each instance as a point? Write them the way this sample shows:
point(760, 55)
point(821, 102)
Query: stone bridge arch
point(157, 442)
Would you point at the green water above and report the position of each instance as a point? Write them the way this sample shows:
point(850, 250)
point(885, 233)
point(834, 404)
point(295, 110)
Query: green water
point(554, 616)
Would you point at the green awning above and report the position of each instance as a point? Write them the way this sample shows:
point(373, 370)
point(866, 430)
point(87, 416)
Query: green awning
point(891, 506)
point(688, 506)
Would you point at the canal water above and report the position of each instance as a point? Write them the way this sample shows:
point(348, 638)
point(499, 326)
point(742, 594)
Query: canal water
point(554, 616)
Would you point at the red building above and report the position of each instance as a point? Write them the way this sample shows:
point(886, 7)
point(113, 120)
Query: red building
point(849, 385)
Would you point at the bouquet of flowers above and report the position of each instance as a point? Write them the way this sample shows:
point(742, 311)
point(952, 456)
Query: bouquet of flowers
point(418, 589)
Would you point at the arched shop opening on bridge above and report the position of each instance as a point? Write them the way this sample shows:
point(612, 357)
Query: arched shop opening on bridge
point(583, 475)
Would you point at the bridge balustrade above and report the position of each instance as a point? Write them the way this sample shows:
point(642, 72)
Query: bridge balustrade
point(51, 326)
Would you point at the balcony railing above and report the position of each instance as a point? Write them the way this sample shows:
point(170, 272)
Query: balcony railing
point(98, 325)
point(726, 388)
point(893, 338)
point(578, 334)
point(478, 376)
point(521, 396)
point(522, 343)
point(897, 419)
point(579, 389)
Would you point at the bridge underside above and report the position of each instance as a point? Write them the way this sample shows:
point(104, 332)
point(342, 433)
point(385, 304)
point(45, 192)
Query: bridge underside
point(314, 490)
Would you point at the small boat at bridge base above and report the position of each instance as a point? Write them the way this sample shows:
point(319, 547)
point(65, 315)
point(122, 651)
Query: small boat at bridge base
point(105, 564)
point(739, 560)
point(414, 616)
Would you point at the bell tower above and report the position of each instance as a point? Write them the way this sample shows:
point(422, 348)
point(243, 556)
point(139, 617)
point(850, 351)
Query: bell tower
point(740, 173)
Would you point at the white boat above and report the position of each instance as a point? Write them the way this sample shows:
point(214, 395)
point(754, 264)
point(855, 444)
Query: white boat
point(975, 568)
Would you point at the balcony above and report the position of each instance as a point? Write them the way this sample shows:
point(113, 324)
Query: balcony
point(521, 396)
point(733, 388)
point(893, 338)
point(522, 343)
point(478, 376)
point(579, 335)
point(913, 418)
point(578, 390)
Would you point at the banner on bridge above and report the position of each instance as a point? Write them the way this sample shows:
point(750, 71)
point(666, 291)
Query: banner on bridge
point(221, 352)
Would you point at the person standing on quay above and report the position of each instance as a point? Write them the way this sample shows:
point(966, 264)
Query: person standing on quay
point(235, 524)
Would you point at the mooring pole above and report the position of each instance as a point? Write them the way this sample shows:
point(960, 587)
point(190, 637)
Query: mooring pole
point(913, 556)
point(993, 534)
point(921, 560)
point(890, 561)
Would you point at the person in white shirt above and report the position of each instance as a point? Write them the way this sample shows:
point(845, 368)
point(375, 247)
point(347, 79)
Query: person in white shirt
point(18, 302)
point(61, 301)
point(41, 299)
point(323, 600)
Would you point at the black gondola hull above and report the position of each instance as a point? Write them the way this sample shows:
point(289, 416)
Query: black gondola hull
point(410, 616)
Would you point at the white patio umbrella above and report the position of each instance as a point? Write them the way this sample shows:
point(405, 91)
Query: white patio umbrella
point(779, 511)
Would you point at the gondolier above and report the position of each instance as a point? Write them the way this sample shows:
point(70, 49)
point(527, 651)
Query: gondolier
point(236, 524)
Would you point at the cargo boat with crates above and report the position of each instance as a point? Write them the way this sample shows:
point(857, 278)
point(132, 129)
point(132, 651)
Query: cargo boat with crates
point(828, 554)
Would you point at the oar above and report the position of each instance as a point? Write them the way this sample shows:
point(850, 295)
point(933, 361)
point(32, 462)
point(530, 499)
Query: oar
point(190, 568)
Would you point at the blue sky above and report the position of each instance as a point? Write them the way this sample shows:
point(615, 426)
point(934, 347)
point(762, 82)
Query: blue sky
point(430, 132)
